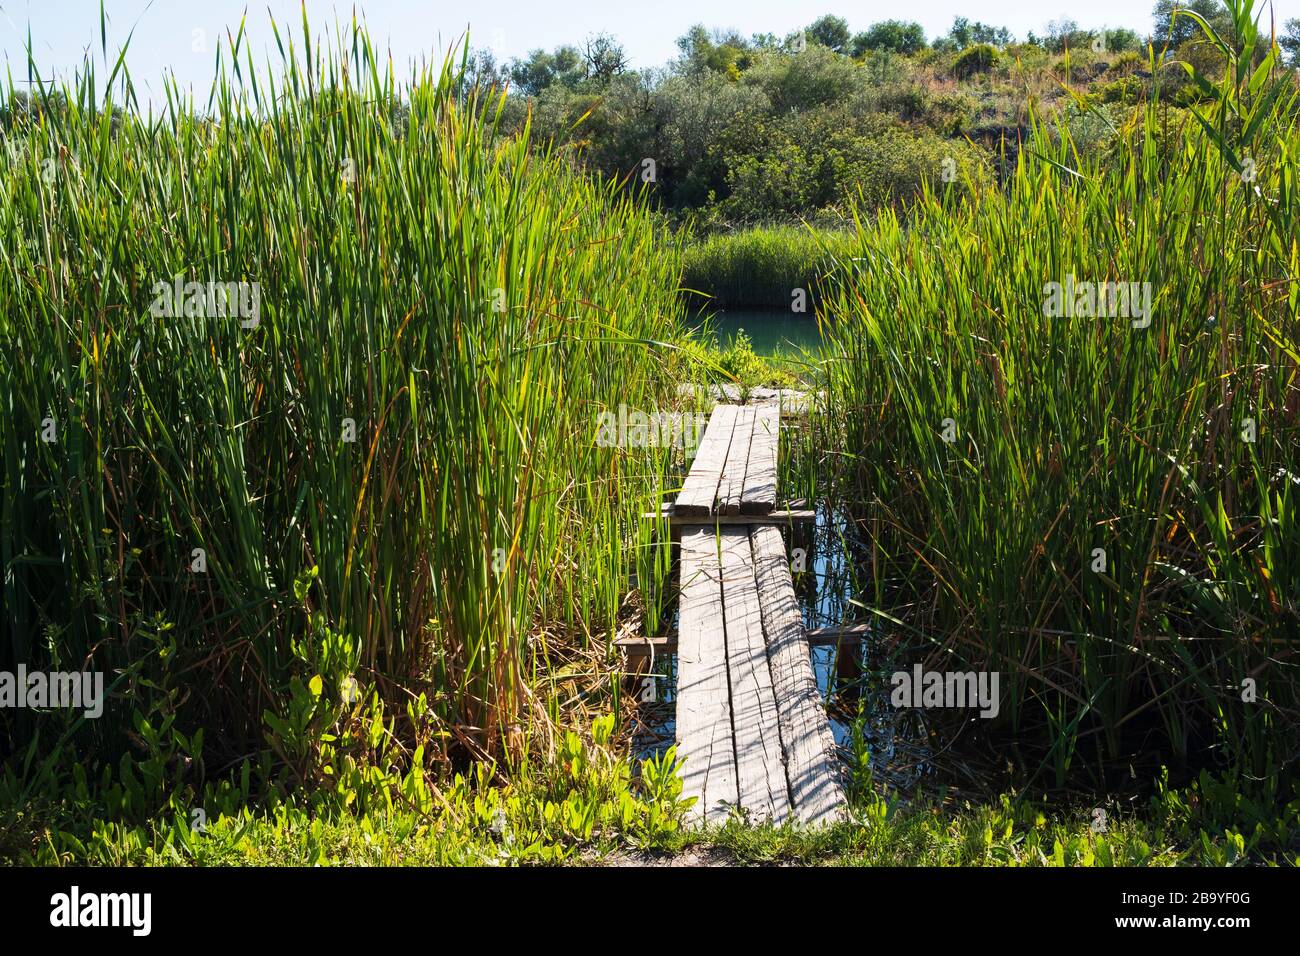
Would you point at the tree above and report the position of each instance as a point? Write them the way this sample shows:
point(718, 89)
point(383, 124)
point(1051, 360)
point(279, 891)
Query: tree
point(1290, 41)
point(1065, 32)
point(541, 70)
point(727, 53)
point(604, 57)
point(532, 75)
point(483, 72)
point(1121, 39)
point(568, 65)
point(1061, 33)
point(694, 44)
point(896, 36)
point(831, 32)
point(1173, 30)
point(964, 33)
point(819, 75)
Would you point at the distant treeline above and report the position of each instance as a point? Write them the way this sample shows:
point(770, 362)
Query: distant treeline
point(765, 128)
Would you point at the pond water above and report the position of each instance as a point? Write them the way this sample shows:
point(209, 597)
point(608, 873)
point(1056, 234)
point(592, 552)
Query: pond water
point(771, 333)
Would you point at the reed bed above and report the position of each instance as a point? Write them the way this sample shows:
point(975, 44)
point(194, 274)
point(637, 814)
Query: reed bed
point(760, 267)
point(1102, 511)
point(381, 466)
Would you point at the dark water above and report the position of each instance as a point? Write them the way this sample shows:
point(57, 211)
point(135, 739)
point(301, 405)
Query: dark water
point(771, 333)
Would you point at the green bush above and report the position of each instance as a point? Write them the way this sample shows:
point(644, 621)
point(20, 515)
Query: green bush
point(894, 169)
point(896, 36)
point(1127, 89)
point(828, 159)
point(979, 58)
point(944, 112)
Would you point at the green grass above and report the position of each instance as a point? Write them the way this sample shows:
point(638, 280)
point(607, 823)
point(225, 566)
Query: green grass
point(1075, 434)
point(428, 286)
point(585, 808)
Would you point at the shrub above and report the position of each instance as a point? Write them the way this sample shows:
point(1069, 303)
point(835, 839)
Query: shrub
point(979, 58)
point(897, 36)
point(829, 158)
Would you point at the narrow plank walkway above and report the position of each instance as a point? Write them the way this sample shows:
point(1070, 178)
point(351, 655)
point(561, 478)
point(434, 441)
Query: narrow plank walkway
point(734, 471)
point(750, 722)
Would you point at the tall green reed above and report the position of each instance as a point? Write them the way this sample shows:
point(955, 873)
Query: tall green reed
point(392, 472)
point(1101, 510)
point(760, 267)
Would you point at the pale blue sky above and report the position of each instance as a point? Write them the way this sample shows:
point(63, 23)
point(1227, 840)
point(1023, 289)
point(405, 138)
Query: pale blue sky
point(168, 32)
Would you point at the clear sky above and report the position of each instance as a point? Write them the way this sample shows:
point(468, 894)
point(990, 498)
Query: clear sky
point(179, 36)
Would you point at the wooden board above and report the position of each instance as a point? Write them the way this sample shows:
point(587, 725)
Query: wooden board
point(638, 646)
point(760, 769)
point(704, 736)
point(772, 517)
point(700, 489)
point(732, 486)
point(811, 765)
point(759, 493)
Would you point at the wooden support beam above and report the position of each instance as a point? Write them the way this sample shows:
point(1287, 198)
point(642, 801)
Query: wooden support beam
point(662, 644)
point(772, 517)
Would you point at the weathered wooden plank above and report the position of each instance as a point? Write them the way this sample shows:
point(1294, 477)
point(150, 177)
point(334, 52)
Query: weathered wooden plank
point(704, 737)
point(732, 486)
point(839, 633)
point(660, 644)
point(772, 517)
point(759, 493)
point(760, 769)
point(700, 489)
point(810, 761)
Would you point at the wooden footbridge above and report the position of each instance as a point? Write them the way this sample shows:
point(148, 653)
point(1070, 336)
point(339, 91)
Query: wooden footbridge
point(750, 722)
